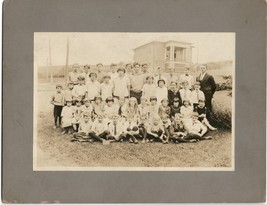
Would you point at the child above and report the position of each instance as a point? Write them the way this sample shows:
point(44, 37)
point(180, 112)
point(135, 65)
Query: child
point(58, 102)
point(187, 77)
point(196, 94)
point(116, 129)
point(161, 91)
point(173, 92)
point(175, 108)
point(153, 108)
point(87, 108)
point(77, 115)
point(67, 116)
point(93, 86)
point(196, 130)
point(164, 108)
point(121, 84)
point(85, 128)
point(132, 131)
point(68, 93)
point(73, 76)
point(203, 113)
point(113, 74)
point(110, 109)
point(106, 87)
point(149, 88)
point(143, 108)
point(166, 122)
point(98, 107)
point(79, 90)
point(132, 109)
point(185, 93)
point(143, 125)
point(155, 130)
point(122, 107)
point(177, 129)
point(99, 130)
point(186, 111)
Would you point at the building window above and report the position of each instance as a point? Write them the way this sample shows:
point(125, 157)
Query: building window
point(179, 54)
point(168, 53)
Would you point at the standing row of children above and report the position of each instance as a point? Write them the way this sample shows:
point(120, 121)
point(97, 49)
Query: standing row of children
point(129, 103)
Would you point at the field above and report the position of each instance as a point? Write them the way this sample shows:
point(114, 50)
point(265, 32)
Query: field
point(55, 150)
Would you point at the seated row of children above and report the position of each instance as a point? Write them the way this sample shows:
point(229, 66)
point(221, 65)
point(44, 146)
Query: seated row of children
point(126, 120)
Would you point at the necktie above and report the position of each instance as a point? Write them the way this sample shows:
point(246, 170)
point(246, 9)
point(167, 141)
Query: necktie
point(115, 129)
point(120, 111)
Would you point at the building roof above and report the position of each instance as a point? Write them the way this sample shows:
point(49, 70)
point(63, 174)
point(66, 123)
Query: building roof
point(171, 41)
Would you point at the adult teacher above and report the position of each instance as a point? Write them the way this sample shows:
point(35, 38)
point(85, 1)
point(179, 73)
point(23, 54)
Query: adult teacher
point(207, 85)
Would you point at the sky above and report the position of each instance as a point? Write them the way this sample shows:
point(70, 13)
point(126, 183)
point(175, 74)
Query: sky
point(107, 48)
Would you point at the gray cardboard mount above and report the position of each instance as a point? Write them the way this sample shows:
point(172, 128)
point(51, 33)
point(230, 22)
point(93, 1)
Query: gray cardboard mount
point(21, 18)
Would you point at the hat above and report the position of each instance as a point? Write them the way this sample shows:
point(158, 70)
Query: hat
point(58, 86)
point(109, 99)
point(153, 98)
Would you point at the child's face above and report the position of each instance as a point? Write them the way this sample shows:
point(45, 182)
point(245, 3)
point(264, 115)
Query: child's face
point(177, 118)
point(87, 103)
point(173, 86)
point(121, 101)
point(197, 87)
point(113, 69)
point(175, 104)
point(187, 71)
point(100, 119)
point(114, 119)
point(137, 69)
point(99, 67)
point(186, 103)
point(194, 118)
point(97, 101)
point(201, 104)
point(203, 69)
point(143, 101)
point(153, 102)
point(161, 84)
point(156, 122)
point(86, 70)
point(149, 80)
point(86, 118)
point(144, 68)
point(59, 89)
point(78, 104)
point(143, 118)
point(106, 80)
point(131, 103)
point(164, 103)
point(71, 86)
point(184, 85)
point(81, 82)
point(93, 77)
point(121, 73)
point(75, 69)
point(109, 103)
point(69, 103)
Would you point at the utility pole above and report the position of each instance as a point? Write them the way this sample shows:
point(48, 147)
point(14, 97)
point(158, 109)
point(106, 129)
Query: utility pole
point(67, 62)
point(50, 63)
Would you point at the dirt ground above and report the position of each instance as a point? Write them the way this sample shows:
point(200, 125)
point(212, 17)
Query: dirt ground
point(56, 150)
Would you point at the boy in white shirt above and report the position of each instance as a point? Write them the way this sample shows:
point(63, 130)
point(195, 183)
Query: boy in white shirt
point(196, 94)
point(100, 130)
point(110, 109)
point(113, 74)
point(87, 108)
point(149, 87)
point(84, 129)
point(58, 102)
point(116, 128)
point(185, 93)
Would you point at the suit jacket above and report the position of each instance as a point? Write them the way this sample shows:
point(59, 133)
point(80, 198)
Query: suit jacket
point(208, 85)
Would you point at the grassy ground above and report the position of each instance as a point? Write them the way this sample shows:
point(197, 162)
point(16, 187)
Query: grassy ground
point(56, 150)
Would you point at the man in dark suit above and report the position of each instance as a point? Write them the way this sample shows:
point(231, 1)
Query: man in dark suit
point(208, 85)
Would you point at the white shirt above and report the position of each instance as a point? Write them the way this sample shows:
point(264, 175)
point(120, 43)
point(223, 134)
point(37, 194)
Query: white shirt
point(185, 94)
point(202, 76)
point(98, 127)
point(93, 89)
point(186, 111)
point(196, 95)
point(189, 79)
point(88, 109)
point(106, 90)
point(148, 90)
point(79, 90)
point(113, 76)
point(161, 93)
point(111, 111)
point(121, 86)
point(85, 127)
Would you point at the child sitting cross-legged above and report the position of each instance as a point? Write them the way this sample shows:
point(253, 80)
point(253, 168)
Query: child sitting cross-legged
point(99, 130)
point(166, 122)
point(156, 130)
point(175, 108)
point(196, 130)
point(116, 129)
point(84, 129)
point(143, 125)
point(177, 129)
point(132, 130)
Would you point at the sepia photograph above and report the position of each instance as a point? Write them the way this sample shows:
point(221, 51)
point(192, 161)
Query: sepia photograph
point(154, 101)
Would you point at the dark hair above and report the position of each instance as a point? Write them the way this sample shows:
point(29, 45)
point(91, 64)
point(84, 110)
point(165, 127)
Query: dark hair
point(135, 64)
point(86, 66)
point(121, 69)
point(161, 80)
point(153, 98)
point(99, 64)
point(149, 76)
point(92, 74)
